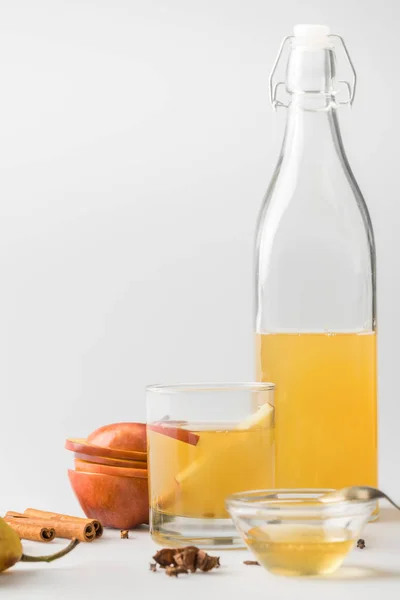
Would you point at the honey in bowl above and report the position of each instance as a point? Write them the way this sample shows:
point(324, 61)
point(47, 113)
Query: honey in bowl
point(300, 549)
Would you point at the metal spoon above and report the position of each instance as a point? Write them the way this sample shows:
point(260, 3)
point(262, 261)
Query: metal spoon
point(360, 493)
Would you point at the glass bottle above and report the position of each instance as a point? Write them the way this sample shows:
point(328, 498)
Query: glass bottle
point(315, 284)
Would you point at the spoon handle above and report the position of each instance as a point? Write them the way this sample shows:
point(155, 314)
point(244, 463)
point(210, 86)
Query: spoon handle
point(390, 500)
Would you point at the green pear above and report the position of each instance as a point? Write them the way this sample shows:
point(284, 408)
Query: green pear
point(10, 546)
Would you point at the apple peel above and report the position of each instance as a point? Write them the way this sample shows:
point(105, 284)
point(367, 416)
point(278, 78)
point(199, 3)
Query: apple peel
point(120, 436)
point(177, 433)
point(118, 502)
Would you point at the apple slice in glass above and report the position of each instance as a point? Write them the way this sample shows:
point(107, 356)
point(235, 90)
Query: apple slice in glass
point(177, 433)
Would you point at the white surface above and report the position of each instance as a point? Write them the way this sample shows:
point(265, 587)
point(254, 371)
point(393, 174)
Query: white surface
point(119, 568)
point(136, 144)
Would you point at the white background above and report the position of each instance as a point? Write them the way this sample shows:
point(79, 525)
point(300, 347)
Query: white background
point(136, 143)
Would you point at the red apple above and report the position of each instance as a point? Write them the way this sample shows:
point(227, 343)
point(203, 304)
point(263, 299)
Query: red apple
point(118, 502)
point(177, 433)
point(112, 462)
point(88, 467)
point(83, 447)
point(120, 436)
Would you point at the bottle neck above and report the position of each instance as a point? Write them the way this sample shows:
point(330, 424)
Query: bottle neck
point(311, 71)
point(312, 129)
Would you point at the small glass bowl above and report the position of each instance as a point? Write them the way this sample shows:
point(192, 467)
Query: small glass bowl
point(291, 532)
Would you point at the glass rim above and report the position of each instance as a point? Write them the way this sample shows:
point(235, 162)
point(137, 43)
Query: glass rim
point(195, 387)
point(258, 501)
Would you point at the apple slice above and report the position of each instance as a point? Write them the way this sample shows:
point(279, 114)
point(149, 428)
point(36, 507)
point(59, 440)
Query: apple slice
point(83, 447)
point(263, 417)
point(177, 433)
point(112, 462)
point(87, 467)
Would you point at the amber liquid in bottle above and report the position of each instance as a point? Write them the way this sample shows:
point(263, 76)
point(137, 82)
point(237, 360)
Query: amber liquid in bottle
point(325, 407)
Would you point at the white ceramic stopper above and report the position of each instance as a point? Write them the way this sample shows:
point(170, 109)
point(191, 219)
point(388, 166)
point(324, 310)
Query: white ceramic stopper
point(311, 36)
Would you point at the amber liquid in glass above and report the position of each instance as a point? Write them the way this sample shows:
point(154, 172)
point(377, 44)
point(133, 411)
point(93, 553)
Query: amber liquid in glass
point(192, 480)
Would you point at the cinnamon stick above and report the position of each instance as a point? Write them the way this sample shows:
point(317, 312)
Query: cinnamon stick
point(34, 529)
point(83, 530)
point(43, 514)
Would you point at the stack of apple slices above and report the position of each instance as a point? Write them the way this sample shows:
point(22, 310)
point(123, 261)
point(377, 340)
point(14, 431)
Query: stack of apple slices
point(110, 476)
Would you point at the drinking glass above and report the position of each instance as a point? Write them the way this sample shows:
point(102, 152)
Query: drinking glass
point(205, 442)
